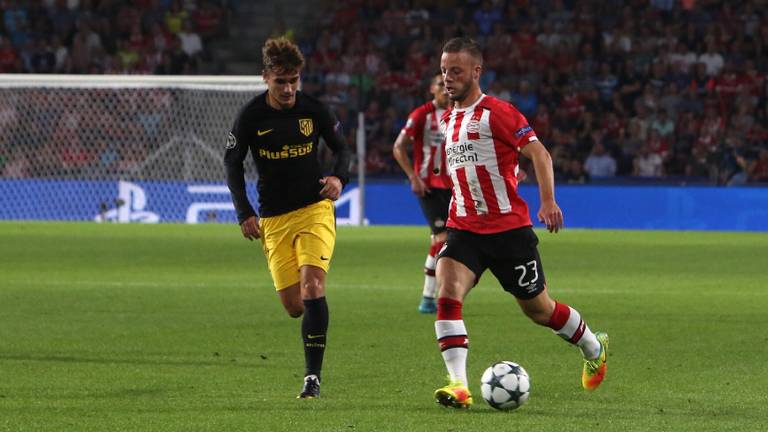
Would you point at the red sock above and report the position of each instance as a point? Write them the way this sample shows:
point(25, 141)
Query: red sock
point(448, 309)
point(566, 322)
point(435, 248)
point(559, 316)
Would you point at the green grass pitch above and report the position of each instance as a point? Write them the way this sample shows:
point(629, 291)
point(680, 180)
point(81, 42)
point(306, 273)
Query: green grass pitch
point(177, 328)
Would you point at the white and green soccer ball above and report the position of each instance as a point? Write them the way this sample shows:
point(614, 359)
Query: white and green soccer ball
point(505, 385)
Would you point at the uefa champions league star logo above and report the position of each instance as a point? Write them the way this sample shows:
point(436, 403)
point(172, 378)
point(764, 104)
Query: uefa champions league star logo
point(131, 201)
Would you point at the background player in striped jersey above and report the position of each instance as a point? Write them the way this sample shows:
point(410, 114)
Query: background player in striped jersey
point(489, 226)
point(428, 176)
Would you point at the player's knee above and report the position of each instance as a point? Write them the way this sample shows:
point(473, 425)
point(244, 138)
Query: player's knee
point(450, 289)
point(312, 288)
point(295, 310)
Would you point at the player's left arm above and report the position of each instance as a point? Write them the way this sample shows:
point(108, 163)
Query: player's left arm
point(330, 130)
point(549, 212)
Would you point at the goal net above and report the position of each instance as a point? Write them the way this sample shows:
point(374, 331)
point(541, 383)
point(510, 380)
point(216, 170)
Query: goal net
point(118, 148)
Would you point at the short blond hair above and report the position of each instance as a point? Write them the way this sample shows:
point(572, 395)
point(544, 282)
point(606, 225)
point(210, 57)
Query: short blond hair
point(467, 45)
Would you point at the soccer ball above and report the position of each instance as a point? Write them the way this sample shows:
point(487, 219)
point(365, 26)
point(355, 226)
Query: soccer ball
point(505, 385)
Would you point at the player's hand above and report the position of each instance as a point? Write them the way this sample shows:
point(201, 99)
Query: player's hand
point(551, 215)
point(250, 228)
point(419, 187)
point(331, 188)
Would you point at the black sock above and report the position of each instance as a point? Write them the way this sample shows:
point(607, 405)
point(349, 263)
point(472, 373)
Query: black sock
point(313, 328)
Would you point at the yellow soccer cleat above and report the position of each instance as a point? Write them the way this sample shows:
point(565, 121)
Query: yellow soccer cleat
point(455, 395)
point(594, 370)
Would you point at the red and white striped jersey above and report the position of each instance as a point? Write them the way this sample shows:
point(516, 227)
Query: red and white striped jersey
point(423, 128)
point(483, 143)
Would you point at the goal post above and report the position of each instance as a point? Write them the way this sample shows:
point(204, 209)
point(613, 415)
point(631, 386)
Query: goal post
point(119, 147)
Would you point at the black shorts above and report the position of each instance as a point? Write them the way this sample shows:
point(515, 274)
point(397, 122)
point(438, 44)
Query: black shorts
point(511, 255)
point(434, 205)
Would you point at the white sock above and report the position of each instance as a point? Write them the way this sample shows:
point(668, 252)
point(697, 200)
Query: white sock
point(577, 332)
point(454, 344)
point(430, 285)
point(589, 345)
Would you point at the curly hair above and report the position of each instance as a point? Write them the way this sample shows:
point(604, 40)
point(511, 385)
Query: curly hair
point(282, 55)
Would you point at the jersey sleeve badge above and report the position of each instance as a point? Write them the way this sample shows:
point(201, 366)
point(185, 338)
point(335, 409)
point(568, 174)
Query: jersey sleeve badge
point(522, 131)
point(231, 141)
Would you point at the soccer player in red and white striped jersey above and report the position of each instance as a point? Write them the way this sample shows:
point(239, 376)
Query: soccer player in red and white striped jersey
point(489, 226)
point(428, 176)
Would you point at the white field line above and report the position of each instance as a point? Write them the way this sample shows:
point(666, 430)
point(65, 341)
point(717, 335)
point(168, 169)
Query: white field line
point(631, 290)
point(199, 285)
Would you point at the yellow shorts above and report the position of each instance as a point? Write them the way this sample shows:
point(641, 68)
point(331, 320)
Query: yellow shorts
point(305, 236)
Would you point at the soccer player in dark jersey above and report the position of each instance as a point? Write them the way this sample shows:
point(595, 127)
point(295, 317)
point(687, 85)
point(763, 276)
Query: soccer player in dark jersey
point(489, 226)
point(428, 176)
point(296, 218)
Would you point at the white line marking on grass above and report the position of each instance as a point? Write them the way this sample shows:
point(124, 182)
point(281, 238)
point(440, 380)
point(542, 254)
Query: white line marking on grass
point(344, 286)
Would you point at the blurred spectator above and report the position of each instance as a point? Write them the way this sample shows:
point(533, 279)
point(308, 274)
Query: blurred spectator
point(175, 17)
point(698, 165)
point(486, 16)
point(9, 59)
point(574, 172)
point(712, 59)
point(86, 48)
point(62, 19)
point(41, 58)
point(663, 124)
point(127, 55)
point(684, 80)
point(525, 100)
point(758, 171)
point(209, 20)
point(711, 130)
point(61, 55)
point(647, 163)
point(16, 22)
point(599, 163)
point(743, 121)
point(191, 43)
point(733, 163)
point(681, 59)
point(606, 83)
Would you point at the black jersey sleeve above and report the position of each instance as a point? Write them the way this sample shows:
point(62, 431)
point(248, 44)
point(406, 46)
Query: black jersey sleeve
point(237, 150)
point(330, 129)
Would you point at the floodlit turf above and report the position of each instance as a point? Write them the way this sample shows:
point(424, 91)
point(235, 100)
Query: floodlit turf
point(177, 328)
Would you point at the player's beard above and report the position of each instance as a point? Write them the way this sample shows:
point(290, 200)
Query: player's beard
point(459, 96)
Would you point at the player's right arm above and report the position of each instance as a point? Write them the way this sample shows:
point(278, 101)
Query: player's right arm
point(405, 139)
point(513, 128)
point(549, 212)
point(400, 152)
point(237, 150)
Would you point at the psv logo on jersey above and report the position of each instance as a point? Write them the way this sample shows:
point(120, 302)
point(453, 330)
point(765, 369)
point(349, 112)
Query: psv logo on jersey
point(473, 127)
point(306, 127)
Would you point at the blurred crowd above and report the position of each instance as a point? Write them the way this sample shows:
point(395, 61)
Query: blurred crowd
point(618, 90)
point(644, 90)
point(108, 36)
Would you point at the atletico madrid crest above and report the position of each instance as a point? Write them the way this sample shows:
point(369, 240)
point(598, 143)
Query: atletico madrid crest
point(305, 126)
